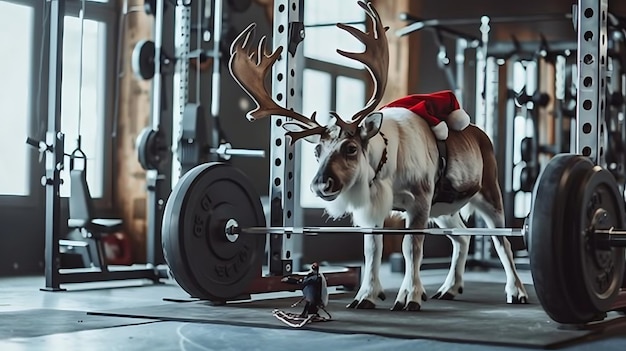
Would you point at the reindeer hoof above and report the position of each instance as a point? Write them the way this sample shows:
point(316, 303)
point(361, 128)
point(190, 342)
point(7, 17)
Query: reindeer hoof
point(518, 300)
point(397, 307)
point(365, 305)
point(362, 305)
point(411, 306)
point(444, 296)
point(382, 296)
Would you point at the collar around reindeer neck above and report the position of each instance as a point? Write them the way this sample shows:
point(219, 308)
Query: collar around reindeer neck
point(383, 159)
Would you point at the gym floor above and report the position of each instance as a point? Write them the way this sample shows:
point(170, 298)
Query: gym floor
point(17, 295)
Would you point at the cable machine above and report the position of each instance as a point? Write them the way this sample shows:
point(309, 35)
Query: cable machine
point(53, 149)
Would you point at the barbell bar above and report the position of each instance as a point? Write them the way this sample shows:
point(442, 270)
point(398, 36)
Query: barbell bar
point(610, 237)
point(235, 230)
point(226, 151)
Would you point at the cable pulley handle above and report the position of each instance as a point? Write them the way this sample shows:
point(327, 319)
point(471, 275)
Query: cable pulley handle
point(78, 154)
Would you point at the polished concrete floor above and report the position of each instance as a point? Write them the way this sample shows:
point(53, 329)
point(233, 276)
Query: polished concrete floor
point(20, 294)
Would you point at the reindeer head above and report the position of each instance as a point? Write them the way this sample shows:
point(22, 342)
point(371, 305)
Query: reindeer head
point(341, 148)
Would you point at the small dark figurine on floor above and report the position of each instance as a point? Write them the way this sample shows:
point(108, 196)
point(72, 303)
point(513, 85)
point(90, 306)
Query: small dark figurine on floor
point(314, 294)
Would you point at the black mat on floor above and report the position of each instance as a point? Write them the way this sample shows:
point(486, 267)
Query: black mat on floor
point(480, 315)
point(38, 322)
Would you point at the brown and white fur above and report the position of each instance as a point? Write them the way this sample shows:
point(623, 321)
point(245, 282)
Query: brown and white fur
point(406, 181)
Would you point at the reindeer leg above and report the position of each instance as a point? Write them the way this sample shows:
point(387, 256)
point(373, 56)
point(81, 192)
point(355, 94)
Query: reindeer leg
point(494, 217)
point(370, 285)
point(514, 288)
point(453, 285)
point(412, 292)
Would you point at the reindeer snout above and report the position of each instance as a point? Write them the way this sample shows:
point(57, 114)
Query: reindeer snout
point(325, 187)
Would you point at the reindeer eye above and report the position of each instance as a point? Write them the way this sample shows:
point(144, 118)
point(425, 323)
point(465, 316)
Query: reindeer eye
point(350, 149)
point(318, 150)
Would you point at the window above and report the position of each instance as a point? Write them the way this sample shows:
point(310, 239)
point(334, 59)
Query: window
point(319, 81)
point(15, 60)
point(92, 115)
point(340, 78)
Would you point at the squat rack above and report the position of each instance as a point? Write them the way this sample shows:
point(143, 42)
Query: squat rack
point(590, 19)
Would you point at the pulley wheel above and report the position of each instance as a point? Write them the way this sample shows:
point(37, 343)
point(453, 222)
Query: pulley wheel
point(151, 148)
point(142, 59)
point(207, 263)
point(576, 279)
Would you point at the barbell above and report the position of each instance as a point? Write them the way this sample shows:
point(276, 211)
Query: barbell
point(214, 236)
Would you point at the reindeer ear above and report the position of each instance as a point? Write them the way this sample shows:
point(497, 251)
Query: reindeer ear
point(371, 125)
point(294, 129)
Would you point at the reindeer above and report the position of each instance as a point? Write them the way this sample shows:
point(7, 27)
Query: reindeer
point(387, 159)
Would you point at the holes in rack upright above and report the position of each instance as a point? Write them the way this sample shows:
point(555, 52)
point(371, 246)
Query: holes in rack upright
point(278, 142)
point(278, 162)
point(281, 8)
point(588, 59)
point(587, 104)
point(588, 12)
point(588, 35)
point(587, 128)
point(587, 151)
point(587, 81)
point(277, 181)
point(279, 76)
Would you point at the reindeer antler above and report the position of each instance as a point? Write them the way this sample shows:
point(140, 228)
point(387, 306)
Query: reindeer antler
point(249, 68)
point(376, 61)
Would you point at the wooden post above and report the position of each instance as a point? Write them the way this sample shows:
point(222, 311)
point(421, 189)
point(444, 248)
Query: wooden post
point(403, 51)
point(403, 69)
point(133, 115)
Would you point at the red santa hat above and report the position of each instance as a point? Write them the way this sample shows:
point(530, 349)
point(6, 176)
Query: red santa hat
point(440, 109)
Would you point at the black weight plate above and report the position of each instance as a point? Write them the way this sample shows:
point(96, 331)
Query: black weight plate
point(142, 59)
point(150, 152)
point(602, 267)
point(557, 240)
point(201, 258)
